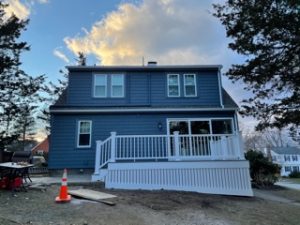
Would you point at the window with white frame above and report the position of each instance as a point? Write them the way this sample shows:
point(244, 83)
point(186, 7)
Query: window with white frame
point(189, 81)
point(100, 85)
point(295, 158)
point(84, 133)
point(173, 85)
point(287, 158)
point(287, 169)
point(109, 85)
point(117, 85)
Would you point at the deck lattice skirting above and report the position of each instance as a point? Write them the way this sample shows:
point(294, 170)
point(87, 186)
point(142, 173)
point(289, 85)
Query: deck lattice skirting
point(215, 177)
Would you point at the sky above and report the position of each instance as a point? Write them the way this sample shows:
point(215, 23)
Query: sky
point(114, 32)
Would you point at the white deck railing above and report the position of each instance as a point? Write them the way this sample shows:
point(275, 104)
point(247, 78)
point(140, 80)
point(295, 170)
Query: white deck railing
point(168, 147)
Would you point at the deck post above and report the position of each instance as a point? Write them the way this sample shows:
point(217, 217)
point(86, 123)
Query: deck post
point(97, 160)
point(113, 146)
point(176, 143)
point(240, 145)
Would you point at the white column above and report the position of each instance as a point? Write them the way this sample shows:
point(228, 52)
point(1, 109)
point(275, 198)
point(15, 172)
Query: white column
point(113, 146)
point(176, 145)
point(97, 159)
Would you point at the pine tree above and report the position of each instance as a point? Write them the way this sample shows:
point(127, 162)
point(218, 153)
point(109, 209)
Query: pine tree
point(17, 89)
point(267, 33)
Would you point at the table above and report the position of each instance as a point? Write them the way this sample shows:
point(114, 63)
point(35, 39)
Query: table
point(13, 170)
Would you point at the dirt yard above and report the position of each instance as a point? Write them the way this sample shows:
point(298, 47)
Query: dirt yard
point(148, 207)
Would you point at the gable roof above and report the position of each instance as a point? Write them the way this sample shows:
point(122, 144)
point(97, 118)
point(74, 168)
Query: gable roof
point(44, 146)
point(286, 150)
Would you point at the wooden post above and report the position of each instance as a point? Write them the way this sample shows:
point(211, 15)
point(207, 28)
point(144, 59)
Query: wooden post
point(97, 160)
point(176, 145)
point(113, 146)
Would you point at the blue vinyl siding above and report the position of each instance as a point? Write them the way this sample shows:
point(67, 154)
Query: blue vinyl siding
point(64, 153)
point(145, 88)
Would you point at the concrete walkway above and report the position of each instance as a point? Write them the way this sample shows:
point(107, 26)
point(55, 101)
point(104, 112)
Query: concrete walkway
point(287, 184)
point(266, 195)
point(72, 178)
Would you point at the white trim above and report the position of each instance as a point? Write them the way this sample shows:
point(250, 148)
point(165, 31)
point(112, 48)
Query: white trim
point(220, 88)
point(78, 133)
point(184, 84)
point(111, 85)
point(178, 81)
point(118, 110)
point(94, 86)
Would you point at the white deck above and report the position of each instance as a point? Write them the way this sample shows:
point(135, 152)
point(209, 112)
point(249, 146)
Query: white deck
point(202, 163)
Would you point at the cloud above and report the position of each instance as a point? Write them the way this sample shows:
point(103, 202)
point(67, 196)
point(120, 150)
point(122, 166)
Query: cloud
point(21, 10)
point(163, 30)
point(60, 55)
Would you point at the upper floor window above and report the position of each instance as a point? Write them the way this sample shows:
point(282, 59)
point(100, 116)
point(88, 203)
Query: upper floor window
point(109, 85)
point(189, 85)
point(100, 86)
point(295, 158)
point(117, 85)
point(287, 158)
point(173, 85)
point(84, 133)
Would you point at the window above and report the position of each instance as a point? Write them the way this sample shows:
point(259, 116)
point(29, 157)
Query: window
point(84, 134)
point(221, 126)
point(190, 85)
point(117, 85)
point(100, 86)
point(287, 158)
point(295, 169)
point(200, 126)
point(287, 169)
point(109, 85)
point(294, 158)
point(173, 85)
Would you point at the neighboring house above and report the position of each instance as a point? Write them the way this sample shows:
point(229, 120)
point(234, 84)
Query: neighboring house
point(150, 127)
point(42, 148)
point(288, 158)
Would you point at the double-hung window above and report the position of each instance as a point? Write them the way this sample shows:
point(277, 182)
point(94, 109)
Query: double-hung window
point(189, 85)
point(84, 134)
point(173, 85)
point(100, 86)
point(117, 85)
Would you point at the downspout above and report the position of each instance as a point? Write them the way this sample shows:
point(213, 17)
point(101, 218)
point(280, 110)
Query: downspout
point(220, 87)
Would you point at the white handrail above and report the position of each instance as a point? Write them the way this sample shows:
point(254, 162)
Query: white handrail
point(168, 147)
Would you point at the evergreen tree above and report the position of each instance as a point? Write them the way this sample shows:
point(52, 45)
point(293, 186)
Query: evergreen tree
point(81, 61)
point(17, 89)
point(267, 33)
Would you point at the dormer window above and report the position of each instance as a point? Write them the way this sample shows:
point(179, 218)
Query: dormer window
point(109, 86)
point(100, 86)
point(173, 85)
point(189, 81)
point(117, 85)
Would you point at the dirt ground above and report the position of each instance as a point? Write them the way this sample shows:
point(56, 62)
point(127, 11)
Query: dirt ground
point(148, 208)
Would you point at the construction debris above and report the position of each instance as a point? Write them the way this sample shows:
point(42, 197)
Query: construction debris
point(93, 195)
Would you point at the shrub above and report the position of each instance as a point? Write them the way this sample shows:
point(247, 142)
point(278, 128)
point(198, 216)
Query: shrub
point(262, 171)
point(294, 174)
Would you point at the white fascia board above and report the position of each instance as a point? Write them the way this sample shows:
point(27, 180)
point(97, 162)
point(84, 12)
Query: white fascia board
point(139, 110)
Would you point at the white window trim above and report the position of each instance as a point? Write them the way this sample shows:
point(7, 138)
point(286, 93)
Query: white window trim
point(111, 86)
point(178, 81)
point(94, 86)
point(184, 83)
point(189, 120)
point(78, 133)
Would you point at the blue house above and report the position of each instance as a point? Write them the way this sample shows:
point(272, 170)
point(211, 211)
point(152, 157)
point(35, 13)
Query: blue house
point(150, 127)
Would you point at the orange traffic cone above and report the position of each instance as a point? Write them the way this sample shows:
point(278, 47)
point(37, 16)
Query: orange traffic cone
point(63, 194)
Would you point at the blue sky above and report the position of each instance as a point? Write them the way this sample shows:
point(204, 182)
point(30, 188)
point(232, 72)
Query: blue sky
point(113, 32)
